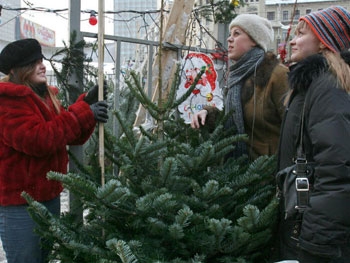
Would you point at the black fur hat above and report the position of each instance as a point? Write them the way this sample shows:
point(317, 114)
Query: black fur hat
point(19, 53)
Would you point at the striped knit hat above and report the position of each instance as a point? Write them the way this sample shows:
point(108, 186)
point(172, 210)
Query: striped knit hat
point(331, 26)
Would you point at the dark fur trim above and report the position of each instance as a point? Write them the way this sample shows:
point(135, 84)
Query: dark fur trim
point(346, 56)
point(265, 69)
point(302, 73)
point(263, 75)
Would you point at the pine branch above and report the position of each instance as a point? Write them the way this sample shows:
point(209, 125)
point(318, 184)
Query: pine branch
point(126, 128)
point(141, 96)
point(75, 182)
point(122, 250)
point(189, 90)
point(169, 104)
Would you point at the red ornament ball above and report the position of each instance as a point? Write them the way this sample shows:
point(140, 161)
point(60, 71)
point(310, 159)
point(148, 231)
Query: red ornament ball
point(92, 20)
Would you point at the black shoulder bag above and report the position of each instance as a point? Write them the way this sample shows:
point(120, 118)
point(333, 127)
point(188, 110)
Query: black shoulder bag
point(294, 182)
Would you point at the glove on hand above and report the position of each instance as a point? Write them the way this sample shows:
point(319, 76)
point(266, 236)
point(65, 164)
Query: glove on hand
point(99, 109)
point(92, 95)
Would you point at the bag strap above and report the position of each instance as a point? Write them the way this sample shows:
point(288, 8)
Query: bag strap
point(301, 148)
point(302, 183)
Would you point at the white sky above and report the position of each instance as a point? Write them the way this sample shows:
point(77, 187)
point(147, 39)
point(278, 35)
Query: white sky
point(59, 22)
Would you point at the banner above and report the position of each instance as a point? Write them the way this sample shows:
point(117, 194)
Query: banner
point(44, 35)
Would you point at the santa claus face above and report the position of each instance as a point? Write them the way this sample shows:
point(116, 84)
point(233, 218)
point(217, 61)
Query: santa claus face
point(191, 75)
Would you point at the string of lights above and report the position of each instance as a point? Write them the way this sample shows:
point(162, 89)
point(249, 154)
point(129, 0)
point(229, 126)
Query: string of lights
point(56, 11)
point(63, 13)
point(124, 16)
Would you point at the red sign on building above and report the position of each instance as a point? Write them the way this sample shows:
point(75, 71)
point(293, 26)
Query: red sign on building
point(44, 35)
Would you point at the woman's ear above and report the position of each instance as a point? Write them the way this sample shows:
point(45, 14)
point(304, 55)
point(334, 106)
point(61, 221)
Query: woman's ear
point(322, 46)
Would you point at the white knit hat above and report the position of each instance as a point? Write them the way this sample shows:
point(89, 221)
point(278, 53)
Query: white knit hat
point(257, 27)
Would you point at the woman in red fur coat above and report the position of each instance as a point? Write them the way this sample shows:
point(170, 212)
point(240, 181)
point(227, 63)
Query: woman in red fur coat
point(34, 133)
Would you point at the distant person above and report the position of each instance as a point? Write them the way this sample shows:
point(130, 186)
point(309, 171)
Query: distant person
point(34, 133)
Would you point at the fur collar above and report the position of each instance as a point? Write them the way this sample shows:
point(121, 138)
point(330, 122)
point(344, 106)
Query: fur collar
point(265, 69)
point(17, 90)
point(346, 56)
point(302, 73)
point(262, 77)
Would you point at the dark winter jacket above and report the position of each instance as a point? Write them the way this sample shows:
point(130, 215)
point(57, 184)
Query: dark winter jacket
point(262, 113)
point(33, 141)
point(325, 223)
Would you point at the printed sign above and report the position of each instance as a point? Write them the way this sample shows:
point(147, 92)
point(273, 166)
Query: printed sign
point(206, 92)
point(44, 35)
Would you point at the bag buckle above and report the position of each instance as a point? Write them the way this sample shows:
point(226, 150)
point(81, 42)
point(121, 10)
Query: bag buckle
point(302, 184)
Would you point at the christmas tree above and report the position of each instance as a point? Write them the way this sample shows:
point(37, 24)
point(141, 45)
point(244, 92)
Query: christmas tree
point(170, 193)
point(175, 198)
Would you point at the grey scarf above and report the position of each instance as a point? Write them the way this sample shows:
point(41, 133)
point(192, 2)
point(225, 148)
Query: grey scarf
point(239, 72)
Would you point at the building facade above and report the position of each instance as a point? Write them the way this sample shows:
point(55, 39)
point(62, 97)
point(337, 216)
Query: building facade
point(8, 22)
point(286, 13)
point(133, 24)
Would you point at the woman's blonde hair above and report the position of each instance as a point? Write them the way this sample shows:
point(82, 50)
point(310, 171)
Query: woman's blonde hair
point(21, 75)
point(337, 65)
point(339, 68)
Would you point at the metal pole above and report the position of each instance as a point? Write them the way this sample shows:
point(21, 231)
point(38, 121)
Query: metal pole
point(101, 28)
point(116, 126)
point(74, 25)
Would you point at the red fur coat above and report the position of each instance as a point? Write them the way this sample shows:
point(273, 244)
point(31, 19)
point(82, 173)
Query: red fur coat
point(33, 141)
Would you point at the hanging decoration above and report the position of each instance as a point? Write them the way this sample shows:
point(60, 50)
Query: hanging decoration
point(220, 54)
point(92, 19)
point(206, 92)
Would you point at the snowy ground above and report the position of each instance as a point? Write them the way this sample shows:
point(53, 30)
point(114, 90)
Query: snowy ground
point(2, 255)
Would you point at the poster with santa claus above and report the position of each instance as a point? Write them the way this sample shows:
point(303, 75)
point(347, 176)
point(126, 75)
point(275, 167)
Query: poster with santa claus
point(206, 92)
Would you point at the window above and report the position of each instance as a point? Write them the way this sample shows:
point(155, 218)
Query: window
point(297, 15)
point(278, 41)
point(308, 11)
point(271, 16)
point(285, 16)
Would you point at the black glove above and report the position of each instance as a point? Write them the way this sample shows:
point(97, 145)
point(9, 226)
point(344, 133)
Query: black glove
point(99, 109)
point(92, 95)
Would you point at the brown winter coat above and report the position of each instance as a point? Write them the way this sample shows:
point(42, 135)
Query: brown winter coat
point(263, 121)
